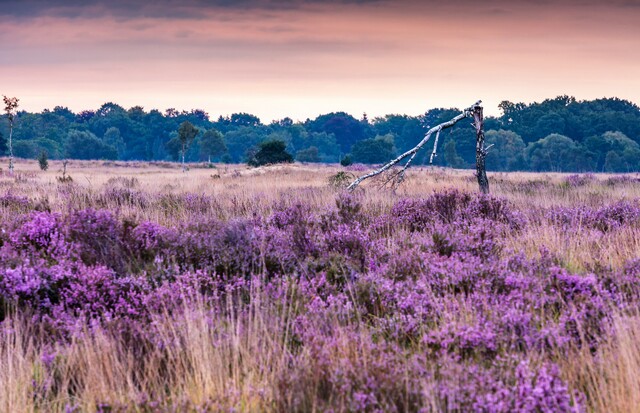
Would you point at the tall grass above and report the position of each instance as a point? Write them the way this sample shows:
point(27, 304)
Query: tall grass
point(247, 351)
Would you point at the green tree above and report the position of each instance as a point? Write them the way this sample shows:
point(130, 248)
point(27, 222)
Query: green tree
point(271, 152)
point(347, 129)
point(43, 160)
point(613, 162)
point(3, 144)
point(113, 137)
point(507, 154)
point(377, 150)
point(451, 156)
point(86, 145)
point(212, 145)
point(558, 153)
point(310, 154)
point(10, 107)
point(25, 149)
point(240, 141)
point(186, 134)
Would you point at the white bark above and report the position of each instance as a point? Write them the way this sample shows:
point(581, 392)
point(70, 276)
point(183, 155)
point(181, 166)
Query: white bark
point(413, 151)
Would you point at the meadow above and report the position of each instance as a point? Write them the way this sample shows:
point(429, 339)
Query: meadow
point(137, 287)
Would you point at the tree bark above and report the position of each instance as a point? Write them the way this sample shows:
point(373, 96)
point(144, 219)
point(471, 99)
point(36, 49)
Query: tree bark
point(481, 151)
point(412, 152)
point(11, 146)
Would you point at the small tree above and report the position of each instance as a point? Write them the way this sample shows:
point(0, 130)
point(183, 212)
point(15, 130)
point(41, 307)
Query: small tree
point(10, 106)
point(43, 160)
point(212, 144)
point(271, 152)
point(186, 134)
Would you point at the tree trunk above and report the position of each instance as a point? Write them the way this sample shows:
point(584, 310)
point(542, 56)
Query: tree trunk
point(481, 151)
point(183, 167)
point(11, 147)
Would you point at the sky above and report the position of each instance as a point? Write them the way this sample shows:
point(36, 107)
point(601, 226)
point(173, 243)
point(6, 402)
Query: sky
point(277, 58)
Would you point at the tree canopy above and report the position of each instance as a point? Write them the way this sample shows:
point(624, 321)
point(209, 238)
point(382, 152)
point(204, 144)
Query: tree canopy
point(599, 135)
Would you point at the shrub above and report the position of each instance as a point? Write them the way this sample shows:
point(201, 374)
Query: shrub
point(271, 152)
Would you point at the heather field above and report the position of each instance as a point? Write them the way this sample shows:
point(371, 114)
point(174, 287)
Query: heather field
point(136, 287)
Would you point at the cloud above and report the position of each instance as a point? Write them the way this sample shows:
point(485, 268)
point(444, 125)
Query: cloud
point(165, 9)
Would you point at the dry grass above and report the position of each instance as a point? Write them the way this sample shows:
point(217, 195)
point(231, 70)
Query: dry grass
point(237, 190)
point(610, 377)
point(244, 372)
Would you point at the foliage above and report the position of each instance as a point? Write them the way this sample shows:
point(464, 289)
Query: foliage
point(310, 154)
point(86, 145)
point(451, 155)
point(377, 150)
point(346, 160)
point(3, 144)
point(507, 152)
point(138, 134)
point(43, 160)
point(341, 179)
point(212, 145)
point(558, 153)
point(186, 134)
point(271, 152)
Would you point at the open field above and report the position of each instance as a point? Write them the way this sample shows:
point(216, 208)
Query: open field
point(137, 287)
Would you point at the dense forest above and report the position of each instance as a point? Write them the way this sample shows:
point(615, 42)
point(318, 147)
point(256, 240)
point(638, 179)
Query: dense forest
point(560, 134)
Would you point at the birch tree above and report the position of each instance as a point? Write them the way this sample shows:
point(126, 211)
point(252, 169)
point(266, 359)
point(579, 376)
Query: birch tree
point(10, 106)
point(476, 113)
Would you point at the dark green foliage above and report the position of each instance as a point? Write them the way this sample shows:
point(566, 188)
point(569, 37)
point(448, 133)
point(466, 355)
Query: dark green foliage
point(507, 153)
point(43, 160)
point(377, 150)
point(138, 134)
point(212, 145)
point(186, 134)
point(3, 144)
point(86, 145)
point(451, 156)
point(558, 153)
point(310, 154)
point(25, 149)
point(347, 129)
point(346, 161)
point(271, 152)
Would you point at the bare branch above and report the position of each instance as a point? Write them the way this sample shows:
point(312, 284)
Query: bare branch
point(435, 147)
point(412, 152)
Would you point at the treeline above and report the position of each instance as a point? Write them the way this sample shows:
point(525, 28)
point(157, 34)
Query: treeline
point(560, 134)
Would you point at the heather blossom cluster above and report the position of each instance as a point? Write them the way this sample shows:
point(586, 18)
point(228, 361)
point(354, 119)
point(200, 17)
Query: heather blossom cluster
point(427, 290)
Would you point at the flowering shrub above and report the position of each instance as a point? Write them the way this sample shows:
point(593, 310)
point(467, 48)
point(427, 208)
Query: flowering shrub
point(425, 298)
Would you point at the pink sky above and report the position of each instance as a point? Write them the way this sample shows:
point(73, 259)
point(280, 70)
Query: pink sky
point(301, 59)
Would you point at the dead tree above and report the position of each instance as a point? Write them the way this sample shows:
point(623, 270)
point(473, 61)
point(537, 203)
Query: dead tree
point(481, 150)
point(10, 106)
point(474, 111)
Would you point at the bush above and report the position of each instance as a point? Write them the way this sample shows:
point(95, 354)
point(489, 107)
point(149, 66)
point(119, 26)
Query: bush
point(346, 161)
point(271, 152)
point(43, 161)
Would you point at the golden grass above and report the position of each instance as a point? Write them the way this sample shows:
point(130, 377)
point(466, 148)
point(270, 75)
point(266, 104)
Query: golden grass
point(610, 377)
point(246, 370)
point(238, 190)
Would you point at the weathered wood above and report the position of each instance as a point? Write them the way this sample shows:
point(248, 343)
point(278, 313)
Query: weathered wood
point(481, 151)
point(412, 152)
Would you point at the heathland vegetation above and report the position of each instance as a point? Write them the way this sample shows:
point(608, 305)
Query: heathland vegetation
point(560, 134)
point(136, 287)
